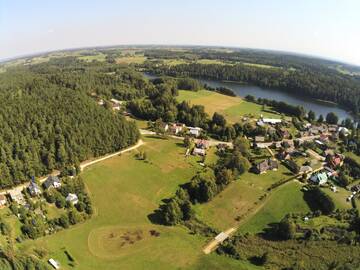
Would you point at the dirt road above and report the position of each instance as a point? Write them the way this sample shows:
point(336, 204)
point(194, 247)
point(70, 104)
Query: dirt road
point(83, 165)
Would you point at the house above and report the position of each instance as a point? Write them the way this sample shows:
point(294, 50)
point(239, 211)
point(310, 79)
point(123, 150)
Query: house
point(260, 123)
point(335, 160)
point(307, 126)
point(271, 121)
point(52, 182)
point(17, 196)
point(343, 131)
point(176, 128)
point(305, 169)
point(268, 164)
point(203, 144)
point(283, 155)
point(72, 198)
point(199, 151)
point(319, 178)
point(3, 200)
point(259, 139)
point(34, 189)
point(195, 131)
point(54, 263)
point(284, 133)
point(222, 147)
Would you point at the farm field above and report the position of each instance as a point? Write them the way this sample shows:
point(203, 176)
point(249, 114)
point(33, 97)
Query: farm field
point(238, 198)
point(124, 191)
point(134, 59)
point(233, 108)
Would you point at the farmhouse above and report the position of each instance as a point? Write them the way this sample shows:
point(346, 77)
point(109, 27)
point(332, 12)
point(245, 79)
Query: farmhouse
point(72, 198)
point(176, 128)
point(268, 164)
point(199, 151)
point(34, 189)
point(195, 131)
point(319, 178)
point(52, 182)
point(3, 200)
point(17, 196)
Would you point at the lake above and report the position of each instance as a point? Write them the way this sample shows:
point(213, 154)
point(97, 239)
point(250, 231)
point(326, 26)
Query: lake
point(242, 90)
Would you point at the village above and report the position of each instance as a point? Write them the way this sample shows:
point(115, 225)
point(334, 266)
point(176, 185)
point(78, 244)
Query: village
point(313, 154)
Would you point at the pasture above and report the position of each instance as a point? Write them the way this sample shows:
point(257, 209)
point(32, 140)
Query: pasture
point(233, 108)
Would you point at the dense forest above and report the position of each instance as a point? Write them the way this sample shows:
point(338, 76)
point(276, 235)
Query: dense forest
point(49, 118)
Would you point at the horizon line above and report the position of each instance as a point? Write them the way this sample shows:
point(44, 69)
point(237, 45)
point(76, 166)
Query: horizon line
point(299, 54)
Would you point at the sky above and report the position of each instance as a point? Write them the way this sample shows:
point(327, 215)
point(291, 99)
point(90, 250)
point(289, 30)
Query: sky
point(325, 28)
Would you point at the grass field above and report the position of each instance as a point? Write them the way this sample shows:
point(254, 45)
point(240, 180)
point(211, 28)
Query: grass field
point(124, 192)
point(96, 57)
point(286, 199)
point(238, 198)
point(132, 59)
point(233, 108)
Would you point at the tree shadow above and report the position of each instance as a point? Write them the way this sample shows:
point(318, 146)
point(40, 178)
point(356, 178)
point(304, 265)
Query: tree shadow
point(156, 217)
point(309, 198)
point(270, 232)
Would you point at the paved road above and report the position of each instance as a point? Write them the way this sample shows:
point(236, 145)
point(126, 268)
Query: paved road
point(83, 165)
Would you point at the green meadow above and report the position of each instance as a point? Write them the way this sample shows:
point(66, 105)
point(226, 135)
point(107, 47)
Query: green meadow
point(233, 108)
point(240, 199)
point(124, 191)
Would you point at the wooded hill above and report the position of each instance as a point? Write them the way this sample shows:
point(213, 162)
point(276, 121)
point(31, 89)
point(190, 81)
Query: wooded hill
point(49, 120)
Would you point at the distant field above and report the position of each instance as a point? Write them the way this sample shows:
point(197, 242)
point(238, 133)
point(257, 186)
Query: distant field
point(96, 57)
point(259, 65)
point(233, 108)
point(124, 192)
point(238, 198)
point(135, 59)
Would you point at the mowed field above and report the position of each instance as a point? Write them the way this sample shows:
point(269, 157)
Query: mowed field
point(286, 199)
point(124, 192)
point(233, 108)
point(240, 199)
